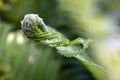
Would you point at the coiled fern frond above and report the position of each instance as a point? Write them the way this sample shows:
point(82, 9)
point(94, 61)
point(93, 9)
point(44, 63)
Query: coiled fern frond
point(35, 29)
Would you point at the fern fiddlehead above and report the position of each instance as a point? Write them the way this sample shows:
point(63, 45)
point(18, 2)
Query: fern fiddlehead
point(35, 29)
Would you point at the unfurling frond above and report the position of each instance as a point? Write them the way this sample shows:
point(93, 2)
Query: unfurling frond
point(35, 29)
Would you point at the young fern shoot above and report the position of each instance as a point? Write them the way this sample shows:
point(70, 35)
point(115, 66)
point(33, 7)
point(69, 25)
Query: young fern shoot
point(35, 29)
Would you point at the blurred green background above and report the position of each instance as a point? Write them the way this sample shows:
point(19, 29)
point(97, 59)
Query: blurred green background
point(22, 59)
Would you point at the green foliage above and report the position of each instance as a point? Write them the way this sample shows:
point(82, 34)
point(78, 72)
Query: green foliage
point(23, 61)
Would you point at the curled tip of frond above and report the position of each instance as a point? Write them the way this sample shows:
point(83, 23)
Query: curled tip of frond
point(32, 22)
point(32, 25)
